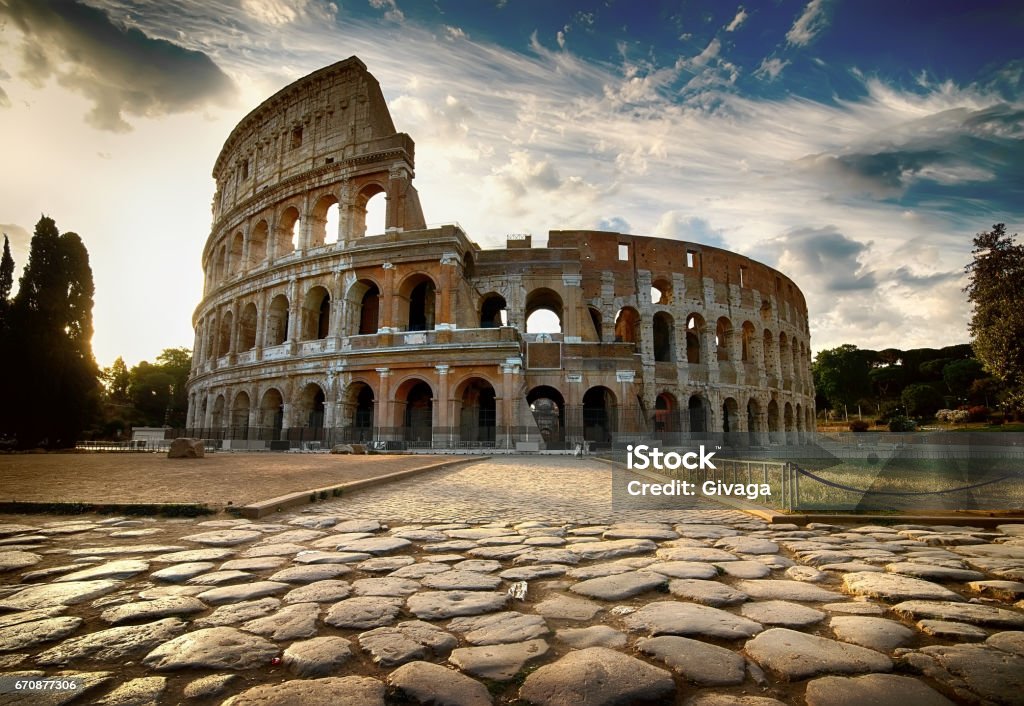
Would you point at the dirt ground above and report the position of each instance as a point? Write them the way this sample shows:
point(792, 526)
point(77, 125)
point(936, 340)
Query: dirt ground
point(217, 480)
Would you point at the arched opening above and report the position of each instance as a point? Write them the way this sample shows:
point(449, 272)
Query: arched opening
point(312, 407)
point(723, 335)
point(271, 414)
point(599, 415)
point(787, 418)
point(747, 334)
point(784, 357)
point(664, 337)
point(694, 332)
point(202, 414)
point(598, 321)
point(240, 413)
point(697, 411)
point(421, 294)
point(277, 321)
point(218, 412)
point(258, 237)
point(235, 256)
point(316, 314)
point(419, 413)
point(212, 336)
point(666, 414)
point(287, 240)
point(359, 411)
point(370, 212)
point(627, 327)
point(493, 311)
point(773, 422)
point(548, 407)
point(754, 421)
point(661, 291)
point(543, 311)
point(730, 416)
point(224, 340)
point(247, 327)
point(222, 263)
point(324, 222)
point(363, 308)
point(478, 412)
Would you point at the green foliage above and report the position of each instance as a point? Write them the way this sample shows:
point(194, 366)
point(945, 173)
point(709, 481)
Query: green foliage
point(6, 275)
point(50, 320)
point(961, 374)
point(921, 399)
point(902, 424)
point(117, 380)
point(842, 374)
point(996, 289)
point(859, 425)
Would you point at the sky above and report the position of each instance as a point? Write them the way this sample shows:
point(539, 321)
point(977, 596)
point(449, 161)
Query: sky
point(855, 145)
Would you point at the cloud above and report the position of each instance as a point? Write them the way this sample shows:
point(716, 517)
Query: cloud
point(824, 256)
point(616, 224)
point(390, 7)
point(679, 226)
point(736, 21)
point(275, 12)
point(452, 33)
point(5, 101)
point(120, 69)
point(811, 21)
point(770, 68)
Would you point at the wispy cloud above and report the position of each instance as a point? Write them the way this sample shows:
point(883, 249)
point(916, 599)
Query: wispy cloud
point(807, 26)
point(738, 20)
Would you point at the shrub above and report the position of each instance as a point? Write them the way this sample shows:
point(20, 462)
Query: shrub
point(996, 419)
point(977, 413)
point(859, 425)
point(955, 416)
point(902, 424)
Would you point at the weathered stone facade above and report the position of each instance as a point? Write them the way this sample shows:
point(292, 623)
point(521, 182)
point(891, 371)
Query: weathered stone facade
point(418, 336)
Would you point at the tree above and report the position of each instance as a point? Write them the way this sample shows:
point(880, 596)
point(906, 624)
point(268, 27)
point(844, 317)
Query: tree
point(921, 400)
point(177, 363)
point(996, 289)
point(157, 391)
point(961, 374)
point(56, 384)
point(842, 374)
point(116, 378)
point(6, 275)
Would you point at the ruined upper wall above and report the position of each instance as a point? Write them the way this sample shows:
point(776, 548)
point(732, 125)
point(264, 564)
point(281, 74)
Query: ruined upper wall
point(333, 115)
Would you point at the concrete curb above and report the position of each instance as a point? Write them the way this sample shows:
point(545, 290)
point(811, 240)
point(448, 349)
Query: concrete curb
point(256, 510)
point(130, 509)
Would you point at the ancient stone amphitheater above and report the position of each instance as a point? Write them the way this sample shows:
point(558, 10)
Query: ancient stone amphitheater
point(312, 329)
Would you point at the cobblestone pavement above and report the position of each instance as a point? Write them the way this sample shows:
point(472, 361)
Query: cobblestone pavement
point(510, 581)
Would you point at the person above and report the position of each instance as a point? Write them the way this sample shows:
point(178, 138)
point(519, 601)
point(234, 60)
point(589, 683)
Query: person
point(578, 450)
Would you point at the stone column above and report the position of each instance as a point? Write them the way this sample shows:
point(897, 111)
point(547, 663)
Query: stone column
point(261, 323)
point(442, 422)
point(388, 300)
point(445, 316)
point(294, 310)
point(384, 407)
point(505, 411)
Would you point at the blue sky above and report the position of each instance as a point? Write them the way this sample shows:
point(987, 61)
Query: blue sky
point(857, 146)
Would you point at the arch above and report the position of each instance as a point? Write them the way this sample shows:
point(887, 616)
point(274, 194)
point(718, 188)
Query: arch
point(493, 311)
point(664, 337)
point(220, 271)
point(271, 413)
point(666, 413)
point(311, 407)
point(694, 333)
point(784, 356)
point(367, 219)
point(217, 421)
point(799, 418)
point(236, 252)
point(548, 407)
point(211, 337)
point(599, 415)
point(224, 337)
point(358, 406)
point(540, 300)
point(598, 321)
point(247, 327)
point(730, 415)
point(316, 314)
point(286, 240)
point(258, 238)
point(787, 419)
point(417, 402)
point(774, 427)
point(697, 410)
point(747, 334)
point(240, 410)
point(661, 291)
point(277, 321)
point(627, 327)
point(420, 293)
point(723, 336)
point(477, 411)
point(324, 221)
point(363, 308)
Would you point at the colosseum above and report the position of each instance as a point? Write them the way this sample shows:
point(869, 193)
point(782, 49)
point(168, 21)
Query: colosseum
point(312, 330)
